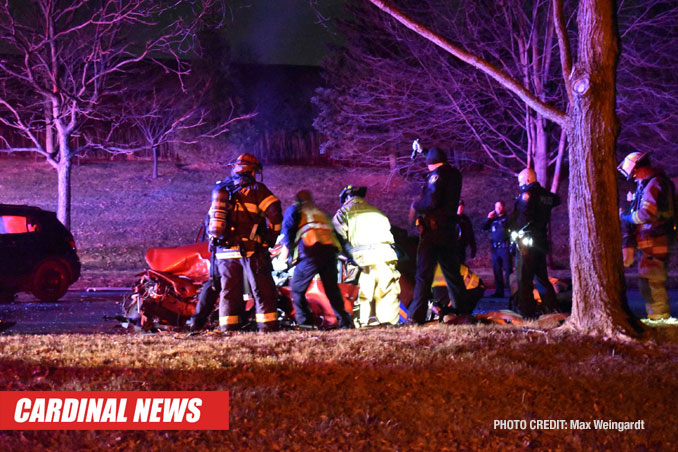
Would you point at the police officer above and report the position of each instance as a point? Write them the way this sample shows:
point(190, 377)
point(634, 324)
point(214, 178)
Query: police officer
point(309, 237)
point(436, 212)
point(647, 225)
point(366, 232)
point(529, 220)
point(245, 219)
point(467, 238)
point(497, 224)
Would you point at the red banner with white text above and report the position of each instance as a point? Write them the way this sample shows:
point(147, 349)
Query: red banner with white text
point(114, 410)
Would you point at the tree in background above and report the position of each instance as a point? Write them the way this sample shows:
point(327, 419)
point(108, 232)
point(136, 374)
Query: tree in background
point(384, 89)
point(163, 113)
point(599, 299)
point(647, 78)
point(283, 129)
point(68, 61)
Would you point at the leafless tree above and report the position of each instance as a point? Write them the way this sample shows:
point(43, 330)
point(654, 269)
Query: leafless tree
point(647, 79)
point(385, 88)
point(67, 60)
point(592, 126)
point(161, 113)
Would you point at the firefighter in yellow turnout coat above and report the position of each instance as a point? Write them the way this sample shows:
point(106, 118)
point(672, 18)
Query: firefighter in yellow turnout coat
point(366, 232)
point(646, 227)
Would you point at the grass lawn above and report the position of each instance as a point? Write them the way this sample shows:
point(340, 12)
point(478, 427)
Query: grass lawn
point(431, 388)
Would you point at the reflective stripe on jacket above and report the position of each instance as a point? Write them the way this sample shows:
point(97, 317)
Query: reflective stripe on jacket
point(367, 231)
point(314, 227)
point(255, 218)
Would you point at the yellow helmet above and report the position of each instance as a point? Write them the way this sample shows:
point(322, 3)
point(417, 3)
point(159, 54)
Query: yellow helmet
point(526, 177)
point(630, 162)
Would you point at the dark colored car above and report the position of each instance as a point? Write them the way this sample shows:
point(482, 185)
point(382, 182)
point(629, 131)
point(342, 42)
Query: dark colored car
point(37, 253)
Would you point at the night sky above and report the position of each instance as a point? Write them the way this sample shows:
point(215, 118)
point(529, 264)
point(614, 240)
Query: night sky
point(280, 31)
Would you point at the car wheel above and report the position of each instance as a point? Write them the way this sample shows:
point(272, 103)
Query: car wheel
point(50, 280)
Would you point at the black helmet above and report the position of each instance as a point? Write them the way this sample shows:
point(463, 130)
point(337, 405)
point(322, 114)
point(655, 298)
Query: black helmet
point(352, 190)
point(435, 155)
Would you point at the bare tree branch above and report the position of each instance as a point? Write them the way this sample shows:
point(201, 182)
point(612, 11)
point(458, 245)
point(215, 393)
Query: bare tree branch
point(550, 112)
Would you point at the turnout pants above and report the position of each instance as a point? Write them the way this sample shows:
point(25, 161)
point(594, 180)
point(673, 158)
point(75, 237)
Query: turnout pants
point(429, 253)
point(379, 288)
point(652, 276)
point(501, 267)
point(529, 267)
point(258, 271)
point(318, 260)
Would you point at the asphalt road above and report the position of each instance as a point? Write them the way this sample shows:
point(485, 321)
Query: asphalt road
point(83, 312)
point(76, 312)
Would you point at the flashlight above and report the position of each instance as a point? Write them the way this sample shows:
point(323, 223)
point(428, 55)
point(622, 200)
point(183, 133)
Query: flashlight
point(416, 149)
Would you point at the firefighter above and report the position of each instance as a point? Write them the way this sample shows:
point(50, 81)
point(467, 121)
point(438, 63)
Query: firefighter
point(497, 224)
point(245, 219)
point(366, 233)
point(436, 220)
point(647, 226)
point(309, 238)
point(467, 238)
point(529, 225)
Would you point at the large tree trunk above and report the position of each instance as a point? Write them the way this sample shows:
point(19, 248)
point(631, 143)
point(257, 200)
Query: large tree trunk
point(599, 298)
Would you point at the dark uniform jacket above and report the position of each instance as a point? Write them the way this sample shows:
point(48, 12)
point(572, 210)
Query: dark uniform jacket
point(254, 206)
point(499, 231)
point(437, 205)
point(466, 235)
point(533, 209)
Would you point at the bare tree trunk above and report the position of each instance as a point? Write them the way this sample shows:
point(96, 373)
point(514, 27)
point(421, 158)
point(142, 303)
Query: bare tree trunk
point(541, 157)
point(64, 193)
point(49, 129)
point(155, 162)
point(555, 182)
point(595, 238)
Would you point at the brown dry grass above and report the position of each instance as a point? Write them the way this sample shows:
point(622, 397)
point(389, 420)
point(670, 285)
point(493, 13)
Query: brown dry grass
point(431, 388)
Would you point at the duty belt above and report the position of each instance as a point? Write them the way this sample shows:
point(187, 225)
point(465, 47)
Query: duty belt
point(501, 244)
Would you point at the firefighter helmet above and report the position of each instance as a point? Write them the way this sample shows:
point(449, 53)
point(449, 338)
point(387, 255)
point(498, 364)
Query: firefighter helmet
point(526, 177)
point(246, 163)
point(350, 191)
point(631, 162)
